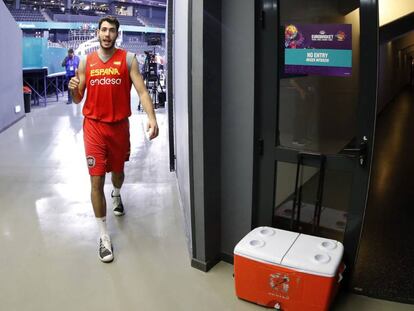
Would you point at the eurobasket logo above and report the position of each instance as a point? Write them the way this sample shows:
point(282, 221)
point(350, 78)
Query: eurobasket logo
point(322, 36)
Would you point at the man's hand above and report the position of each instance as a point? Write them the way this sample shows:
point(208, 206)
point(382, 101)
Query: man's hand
point(152, 128)
point(138, 82)
point(74, 83)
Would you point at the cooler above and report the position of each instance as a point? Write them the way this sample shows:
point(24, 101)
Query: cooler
point(287, 270)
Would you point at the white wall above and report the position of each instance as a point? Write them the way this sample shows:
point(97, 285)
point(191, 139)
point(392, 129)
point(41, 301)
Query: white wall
point(11, 81)
point(390, 10)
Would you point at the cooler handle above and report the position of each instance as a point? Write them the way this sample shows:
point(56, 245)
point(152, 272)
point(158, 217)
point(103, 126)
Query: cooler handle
point(340, 274)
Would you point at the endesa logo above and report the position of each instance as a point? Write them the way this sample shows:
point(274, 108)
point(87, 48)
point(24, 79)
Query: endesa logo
point(111, 80)
point(105, 81)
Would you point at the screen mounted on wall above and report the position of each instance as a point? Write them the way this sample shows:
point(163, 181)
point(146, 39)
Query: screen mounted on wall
point(318, 49)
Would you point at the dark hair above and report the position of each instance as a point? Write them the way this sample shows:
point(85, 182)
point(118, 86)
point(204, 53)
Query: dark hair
point(70, 50)
point(110, 19)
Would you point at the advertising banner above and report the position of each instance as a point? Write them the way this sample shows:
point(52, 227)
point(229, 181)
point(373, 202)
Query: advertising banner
point(318, 49)
point(75, 25)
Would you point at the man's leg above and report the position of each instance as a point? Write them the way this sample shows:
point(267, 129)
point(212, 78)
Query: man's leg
point(117, 181)
point(98, 196)
point(99, 208)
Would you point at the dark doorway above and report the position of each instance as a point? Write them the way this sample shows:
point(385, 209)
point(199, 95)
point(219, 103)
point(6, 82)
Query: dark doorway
point(385, 261)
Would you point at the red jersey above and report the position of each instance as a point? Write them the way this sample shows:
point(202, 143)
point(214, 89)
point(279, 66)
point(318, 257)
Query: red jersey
point(108, 87)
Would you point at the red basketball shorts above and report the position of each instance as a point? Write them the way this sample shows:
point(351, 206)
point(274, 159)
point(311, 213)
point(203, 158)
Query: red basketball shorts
point(107, 146)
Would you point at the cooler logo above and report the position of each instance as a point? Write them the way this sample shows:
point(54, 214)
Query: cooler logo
point(279, 283)
point(91, 161)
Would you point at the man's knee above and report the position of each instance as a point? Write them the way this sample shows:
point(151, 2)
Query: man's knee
point(117, 179)
point(118, 175)
point(97, 183)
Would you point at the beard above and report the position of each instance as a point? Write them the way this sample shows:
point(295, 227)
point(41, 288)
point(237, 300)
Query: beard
point(106, 48)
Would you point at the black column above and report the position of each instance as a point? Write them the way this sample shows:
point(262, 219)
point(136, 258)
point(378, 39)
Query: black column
point(169, 24)
point(212, 125)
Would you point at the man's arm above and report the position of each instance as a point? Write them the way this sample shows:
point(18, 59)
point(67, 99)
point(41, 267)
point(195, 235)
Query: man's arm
point(77, 83)
point(145, 99)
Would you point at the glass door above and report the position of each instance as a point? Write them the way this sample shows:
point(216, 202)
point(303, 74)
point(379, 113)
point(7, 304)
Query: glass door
point(316, 93)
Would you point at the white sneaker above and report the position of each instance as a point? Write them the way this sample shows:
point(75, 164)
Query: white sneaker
point(118, 207)
point(105, 249)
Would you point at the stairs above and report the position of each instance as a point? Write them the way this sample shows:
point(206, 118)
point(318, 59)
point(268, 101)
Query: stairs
point(46, 16)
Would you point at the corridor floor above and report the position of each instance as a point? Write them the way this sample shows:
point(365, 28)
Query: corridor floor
point(48, 234)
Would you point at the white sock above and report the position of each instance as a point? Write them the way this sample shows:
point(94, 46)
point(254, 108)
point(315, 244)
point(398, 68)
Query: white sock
point(102, 226)
point(116, 192)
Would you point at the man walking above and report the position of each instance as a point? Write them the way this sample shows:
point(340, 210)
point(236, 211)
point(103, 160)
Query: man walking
point(71, 63)
point(108, 75)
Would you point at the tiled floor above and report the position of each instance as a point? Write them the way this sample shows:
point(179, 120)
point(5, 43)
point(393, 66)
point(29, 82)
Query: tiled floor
point(48, 234)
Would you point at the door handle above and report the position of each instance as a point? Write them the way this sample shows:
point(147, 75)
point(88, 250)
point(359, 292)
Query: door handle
point(360, 152)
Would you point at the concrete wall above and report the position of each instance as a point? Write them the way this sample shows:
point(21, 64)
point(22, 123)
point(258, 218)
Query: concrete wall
point(11, 81)
point(197, 141)
point(217, 142)
point(197, 99)
point(181, 109)
point(205, 130)
point(237, 121)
